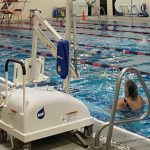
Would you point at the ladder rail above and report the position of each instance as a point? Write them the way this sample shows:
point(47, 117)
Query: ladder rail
point(112, 121)
point(134, 7)
point(99, 13)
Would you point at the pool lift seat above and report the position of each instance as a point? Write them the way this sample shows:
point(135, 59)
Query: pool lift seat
point(112, 121)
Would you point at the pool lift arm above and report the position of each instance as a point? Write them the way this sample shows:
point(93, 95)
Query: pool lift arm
point(40, 22)
point(35, 65)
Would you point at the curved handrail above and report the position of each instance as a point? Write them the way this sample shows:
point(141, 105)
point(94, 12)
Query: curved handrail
point(112, 121)
point(135, 7)
point(16, 61)
point(98, 10)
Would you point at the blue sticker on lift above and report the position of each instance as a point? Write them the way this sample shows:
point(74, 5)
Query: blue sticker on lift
point(41, 113)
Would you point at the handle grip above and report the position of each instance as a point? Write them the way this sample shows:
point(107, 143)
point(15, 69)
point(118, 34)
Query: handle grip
point(16, 61)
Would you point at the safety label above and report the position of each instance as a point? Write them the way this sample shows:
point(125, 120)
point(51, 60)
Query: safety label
point(69, 116)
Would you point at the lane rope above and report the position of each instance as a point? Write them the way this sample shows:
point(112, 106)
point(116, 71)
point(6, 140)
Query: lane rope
point(112, 67)
point(124, 51)
point(93, 34)
point(108, 24)
point(94, 64)
point(104, 29)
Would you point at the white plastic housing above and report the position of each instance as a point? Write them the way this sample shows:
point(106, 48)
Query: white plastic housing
point(47, 112)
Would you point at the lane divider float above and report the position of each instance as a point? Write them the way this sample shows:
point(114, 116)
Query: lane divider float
point(94, 64)
point(124, 51)
point(108, 24)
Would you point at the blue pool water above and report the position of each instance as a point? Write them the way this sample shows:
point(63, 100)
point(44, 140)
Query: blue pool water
point(96, 85)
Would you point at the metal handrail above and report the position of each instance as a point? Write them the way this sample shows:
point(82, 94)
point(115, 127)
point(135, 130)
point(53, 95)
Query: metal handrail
point(99, 11)
point(123, 6)
point(134, 7)
point(112, 121)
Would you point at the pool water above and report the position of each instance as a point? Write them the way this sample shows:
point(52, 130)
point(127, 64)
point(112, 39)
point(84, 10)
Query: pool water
point(96, 85)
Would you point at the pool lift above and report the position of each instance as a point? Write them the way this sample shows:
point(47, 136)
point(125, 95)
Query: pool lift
point(29, 113)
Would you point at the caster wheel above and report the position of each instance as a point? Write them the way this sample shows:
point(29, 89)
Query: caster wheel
point(26, 146)
point(88, 130)
point(3, 135)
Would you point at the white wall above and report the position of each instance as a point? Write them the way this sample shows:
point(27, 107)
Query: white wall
point(138, 3)
point(46, 6)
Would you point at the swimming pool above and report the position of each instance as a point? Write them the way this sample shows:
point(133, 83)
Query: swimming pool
point(111, 44)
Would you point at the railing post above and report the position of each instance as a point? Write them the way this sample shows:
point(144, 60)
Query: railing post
point(34, 46)
point(112, 118)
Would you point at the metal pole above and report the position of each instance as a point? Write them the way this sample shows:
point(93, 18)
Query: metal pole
point(75, 43)
point(24, 94)
point(131, 12)
point(34, 47)
point(131, 6)
point(6, 76)
point(112, 118)
point(69, 4)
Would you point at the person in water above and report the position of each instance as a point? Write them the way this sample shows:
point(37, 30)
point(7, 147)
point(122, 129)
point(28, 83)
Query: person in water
point(132, 100)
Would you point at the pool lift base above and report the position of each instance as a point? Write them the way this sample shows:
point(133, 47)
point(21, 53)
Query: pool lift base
point(17, 144)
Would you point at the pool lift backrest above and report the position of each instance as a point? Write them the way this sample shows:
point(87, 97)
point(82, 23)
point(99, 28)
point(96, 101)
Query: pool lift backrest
point(112, 121)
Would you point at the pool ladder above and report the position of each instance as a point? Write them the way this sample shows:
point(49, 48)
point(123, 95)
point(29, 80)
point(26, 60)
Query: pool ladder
point(112, 121)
